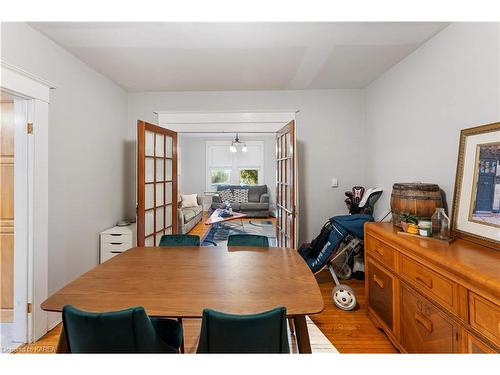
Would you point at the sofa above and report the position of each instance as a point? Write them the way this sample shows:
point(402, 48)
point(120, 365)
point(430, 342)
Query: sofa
point(258, 200)
point(187, 218)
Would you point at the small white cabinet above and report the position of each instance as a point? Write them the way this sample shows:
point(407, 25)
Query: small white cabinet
point(116, 240)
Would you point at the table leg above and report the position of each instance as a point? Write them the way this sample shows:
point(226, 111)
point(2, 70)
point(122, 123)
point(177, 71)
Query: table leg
point(290, 324)
point(182, 343)
point(62, 344)
point(301, 333)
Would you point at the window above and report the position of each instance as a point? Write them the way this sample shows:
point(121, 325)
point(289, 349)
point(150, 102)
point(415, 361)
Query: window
point(219, 176)
point(225, 167)
point(249, 176)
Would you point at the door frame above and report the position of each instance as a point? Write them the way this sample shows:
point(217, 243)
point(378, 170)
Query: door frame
point(244, 121)
point(37, 92)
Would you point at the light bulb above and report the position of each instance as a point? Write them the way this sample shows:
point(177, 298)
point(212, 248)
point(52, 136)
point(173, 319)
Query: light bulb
point(244, 148)
point(232, 148)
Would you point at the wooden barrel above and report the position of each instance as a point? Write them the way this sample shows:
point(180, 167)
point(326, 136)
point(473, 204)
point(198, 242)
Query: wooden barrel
point(416, 198)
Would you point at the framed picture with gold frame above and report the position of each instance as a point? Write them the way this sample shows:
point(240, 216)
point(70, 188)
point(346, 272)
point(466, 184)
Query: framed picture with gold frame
point(476, 202)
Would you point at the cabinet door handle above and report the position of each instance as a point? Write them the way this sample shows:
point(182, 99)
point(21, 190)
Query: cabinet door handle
point(377, 281)
point(424, 280)
point(425, 322)
point(115, 252)
point(116, 243)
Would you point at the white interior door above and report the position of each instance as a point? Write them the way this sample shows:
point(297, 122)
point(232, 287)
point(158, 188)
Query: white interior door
point(13, 221)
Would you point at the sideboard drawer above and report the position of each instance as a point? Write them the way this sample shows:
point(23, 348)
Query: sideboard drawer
point(423, 328)
point(484, 316)
point(380, 251)
point(443, 289)
point(380, 294)
point(476, 346)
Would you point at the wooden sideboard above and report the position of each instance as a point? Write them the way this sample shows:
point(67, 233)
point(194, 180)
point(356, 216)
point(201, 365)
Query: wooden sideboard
point(429, 296)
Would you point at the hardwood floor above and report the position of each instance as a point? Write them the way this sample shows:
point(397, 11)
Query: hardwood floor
point(201, 229)
point(348, 331)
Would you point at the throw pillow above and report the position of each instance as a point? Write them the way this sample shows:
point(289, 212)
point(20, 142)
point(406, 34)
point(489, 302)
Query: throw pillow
point(240, 195)
point(226, 195)
point(189, 200)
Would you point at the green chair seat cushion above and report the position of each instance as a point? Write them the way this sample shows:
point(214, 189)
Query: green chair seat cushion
point(124, 331)
point(257, 333)
point(247, 240)
point(179, 240)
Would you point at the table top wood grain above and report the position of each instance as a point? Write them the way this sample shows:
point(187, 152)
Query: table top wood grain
point(180, 282)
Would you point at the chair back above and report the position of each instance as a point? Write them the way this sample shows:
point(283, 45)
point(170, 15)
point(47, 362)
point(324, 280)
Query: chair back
point(247, 240)
point(125, 331)
point(257, 333)
point(179, 240)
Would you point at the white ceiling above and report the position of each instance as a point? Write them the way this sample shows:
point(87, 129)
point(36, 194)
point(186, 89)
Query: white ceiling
point(240, 56)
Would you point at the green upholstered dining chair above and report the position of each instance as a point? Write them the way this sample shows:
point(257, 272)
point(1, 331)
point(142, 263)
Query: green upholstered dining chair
point(179, 240)
point(247, 240)
point(124, 331)
point(257, 333)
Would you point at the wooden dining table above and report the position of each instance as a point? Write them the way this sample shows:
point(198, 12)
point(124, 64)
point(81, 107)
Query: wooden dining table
point(179, 282)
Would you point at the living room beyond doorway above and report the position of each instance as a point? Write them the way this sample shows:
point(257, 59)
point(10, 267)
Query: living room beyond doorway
point(237, 161)
point(236, 171)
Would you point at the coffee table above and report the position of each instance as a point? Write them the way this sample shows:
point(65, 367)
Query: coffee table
point(215, 218)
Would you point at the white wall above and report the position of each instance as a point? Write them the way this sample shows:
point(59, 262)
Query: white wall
point(329, 130)
point(415, 111)
point(87, 148)
point(193, 161)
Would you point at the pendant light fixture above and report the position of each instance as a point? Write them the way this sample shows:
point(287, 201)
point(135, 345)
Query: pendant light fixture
point(236, 143)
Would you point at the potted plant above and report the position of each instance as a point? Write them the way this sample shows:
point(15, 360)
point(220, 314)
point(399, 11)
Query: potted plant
point(409, 223)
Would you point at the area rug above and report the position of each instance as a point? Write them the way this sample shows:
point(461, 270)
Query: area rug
point(219, 232)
